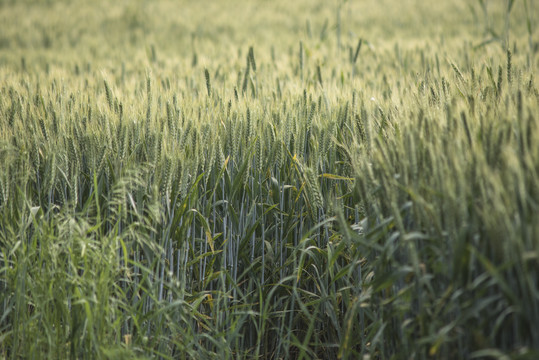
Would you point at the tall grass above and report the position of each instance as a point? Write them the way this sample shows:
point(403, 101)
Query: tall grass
point(372, 204)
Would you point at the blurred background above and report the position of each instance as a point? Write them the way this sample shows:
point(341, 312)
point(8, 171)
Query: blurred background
point(108, 32)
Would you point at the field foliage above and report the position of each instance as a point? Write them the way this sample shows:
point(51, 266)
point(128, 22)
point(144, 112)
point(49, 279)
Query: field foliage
point(275, 180)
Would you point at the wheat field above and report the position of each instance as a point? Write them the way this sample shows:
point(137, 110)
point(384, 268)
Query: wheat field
point(269, 180)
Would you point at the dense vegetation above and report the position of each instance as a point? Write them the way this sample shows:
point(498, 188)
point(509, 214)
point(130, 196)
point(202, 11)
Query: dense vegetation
point(269, 179)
